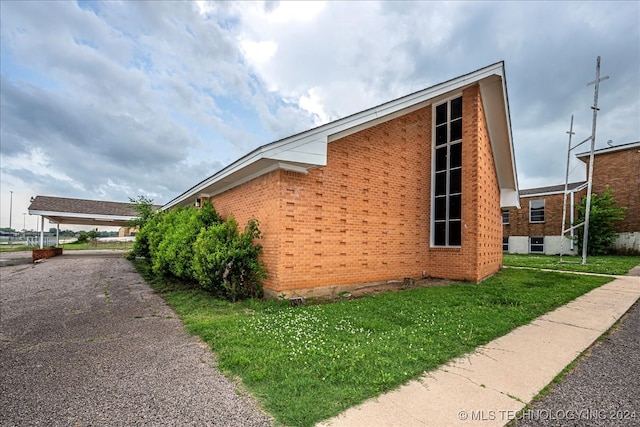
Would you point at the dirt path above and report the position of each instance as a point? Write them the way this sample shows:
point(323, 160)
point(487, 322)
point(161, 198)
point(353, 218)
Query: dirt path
point(84, 341)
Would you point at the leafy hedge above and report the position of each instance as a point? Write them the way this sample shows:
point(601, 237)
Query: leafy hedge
point(197, 245)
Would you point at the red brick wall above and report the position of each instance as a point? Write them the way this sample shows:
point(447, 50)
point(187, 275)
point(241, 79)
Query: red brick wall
point(519, 218)
point(621, 171)
point(480, 254)
point(257, 199)
point(365, 217)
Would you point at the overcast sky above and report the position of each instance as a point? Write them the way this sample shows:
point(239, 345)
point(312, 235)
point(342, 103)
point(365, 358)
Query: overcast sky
point(118, 99)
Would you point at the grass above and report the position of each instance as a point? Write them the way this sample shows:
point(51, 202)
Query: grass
point(15, 248)
point(308, 363)
point(100, 245)
point(607, 264)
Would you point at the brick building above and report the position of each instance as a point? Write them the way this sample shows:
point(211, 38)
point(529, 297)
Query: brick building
point(536, 227)
point(412, 187)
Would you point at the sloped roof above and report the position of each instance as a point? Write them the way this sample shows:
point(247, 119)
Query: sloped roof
point(63, 210)
point(308, 150)
point(614, 148)
point(552, 189)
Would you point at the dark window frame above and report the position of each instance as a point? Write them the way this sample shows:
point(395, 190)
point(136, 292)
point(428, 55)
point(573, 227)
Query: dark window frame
point(506, 214)
point(538, 243)
point(446, 173)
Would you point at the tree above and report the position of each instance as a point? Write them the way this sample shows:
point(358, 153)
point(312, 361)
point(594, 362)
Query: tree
point(602, 218)
point(144, 208)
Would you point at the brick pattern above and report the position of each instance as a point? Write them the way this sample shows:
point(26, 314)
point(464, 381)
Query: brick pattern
point(365, 217)
point(620, 170)
point(480, 254)
point(519, 218)
point(257, 199)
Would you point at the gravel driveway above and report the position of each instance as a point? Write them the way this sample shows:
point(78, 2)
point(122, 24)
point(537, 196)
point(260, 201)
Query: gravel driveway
point(603, 389)
point(84, 341)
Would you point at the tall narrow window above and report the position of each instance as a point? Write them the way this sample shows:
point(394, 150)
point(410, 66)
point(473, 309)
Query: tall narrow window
point(446, 216)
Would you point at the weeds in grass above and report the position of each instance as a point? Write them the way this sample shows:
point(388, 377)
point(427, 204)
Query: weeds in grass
point(605, 264)
point(309, 363)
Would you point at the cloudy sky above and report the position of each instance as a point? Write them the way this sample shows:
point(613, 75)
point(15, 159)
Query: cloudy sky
point(118, 99)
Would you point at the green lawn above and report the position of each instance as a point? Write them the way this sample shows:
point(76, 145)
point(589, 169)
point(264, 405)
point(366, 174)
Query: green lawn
point(607, 264)
point(15, 248)
point(308, 363)
point(101, 245)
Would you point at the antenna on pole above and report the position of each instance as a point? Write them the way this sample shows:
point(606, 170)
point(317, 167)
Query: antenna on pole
point(593, 143)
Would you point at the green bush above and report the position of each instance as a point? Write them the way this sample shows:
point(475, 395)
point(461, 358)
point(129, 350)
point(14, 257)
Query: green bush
point(602, 218)
point(197, 245)
point(226, 261)
point(83, 237)
point(177, 234)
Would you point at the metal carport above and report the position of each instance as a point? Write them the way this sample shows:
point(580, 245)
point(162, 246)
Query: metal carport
point(62, 210)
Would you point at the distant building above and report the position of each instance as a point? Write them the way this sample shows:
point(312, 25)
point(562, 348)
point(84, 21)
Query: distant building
point(537, 226)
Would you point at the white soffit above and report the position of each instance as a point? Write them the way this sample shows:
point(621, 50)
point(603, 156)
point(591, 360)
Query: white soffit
point(308, 150)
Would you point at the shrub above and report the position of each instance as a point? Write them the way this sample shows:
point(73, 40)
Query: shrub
point(83, 237)
point(172, 246)
point(197, 245)
point(226, 261)
point(603, 215)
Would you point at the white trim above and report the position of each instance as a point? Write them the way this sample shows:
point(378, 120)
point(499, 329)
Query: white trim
point(537, 244)
point(82, 215)
point(308, 150)
point(607, 150)
point(544, 212)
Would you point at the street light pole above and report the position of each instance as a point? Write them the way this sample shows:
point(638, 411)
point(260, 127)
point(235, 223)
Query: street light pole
point(24, 226)
point(10, 213)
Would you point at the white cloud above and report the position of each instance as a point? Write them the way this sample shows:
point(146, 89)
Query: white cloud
point(151, 98)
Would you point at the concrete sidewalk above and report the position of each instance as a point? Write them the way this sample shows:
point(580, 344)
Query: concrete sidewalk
point(488, 387)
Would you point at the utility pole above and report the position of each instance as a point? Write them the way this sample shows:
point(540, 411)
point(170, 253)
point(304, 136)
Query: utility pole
point(10, 213)
point(593, 143)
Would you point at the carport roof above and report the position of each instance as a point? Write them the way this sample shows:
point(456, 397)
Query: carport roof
point(64, 210)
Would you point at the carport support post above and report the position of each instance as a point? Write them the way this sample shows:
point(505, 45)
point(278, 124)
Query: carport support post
point(58, 236)
point(41, 232)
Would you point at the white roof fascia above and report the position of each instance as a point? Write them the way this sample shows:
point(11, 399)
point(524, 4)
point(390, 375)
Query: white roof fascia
point(82, 215)
point(610, 149)
point(310, 147)
point(495, 101)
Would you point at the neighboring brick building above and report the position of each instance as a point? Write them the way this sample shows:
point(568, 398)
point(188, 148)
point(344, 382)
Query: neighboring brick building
point(536, 226)
point(617, 167)
point(412, 187)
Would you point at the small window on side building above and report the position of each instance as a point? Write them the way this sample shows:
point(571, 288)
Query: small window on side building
point(536, 210)
point(536, 245)
point(505, 217)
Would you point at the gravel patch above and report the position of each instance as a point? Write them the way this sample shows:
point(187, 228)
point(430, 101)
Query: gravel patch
point(85, 341)
point(603, 389)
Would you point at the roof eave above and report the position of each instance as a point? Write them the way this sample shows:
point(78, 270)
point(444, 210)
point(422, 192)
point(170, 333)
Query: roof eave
point(495, 101)
point(308, 150)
